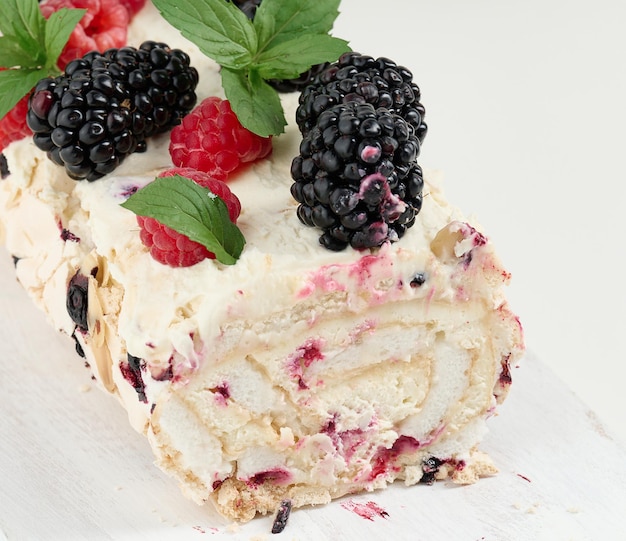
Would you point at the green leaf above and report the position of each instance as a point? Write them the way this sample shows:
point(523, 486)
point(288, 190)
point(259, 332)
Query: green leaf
point(256, 104)
point(218, 28)
point(14, 85)
point(12, 54)
point(283, 20)
point(58, 30)
point(192, 210)
point(22, 20)
point(289, 59)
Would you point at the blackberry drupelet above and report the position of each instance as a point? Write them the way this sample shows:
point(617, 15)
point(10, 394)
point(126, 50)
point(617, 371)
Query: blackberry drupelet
point(363, 79)
point(105, 105)
point(357, 177)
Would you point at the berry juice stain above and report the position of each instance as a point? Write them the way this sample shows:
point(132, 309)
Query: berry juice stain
point(275, 476)
point(302, 358)
point(221, 393)
point(384, 460)
point(368, 510)
point(131, 371)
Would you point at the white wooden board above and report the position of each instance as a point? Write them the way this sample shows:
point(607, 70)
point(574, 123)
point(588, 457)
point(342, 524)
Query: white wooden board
point(71, 468)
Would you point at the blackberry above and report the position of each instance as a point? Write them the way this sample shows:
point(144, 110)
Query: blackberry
point(76, 301)
point(105, 105)
point(4, 167)
point(363, 79)
point(357, 177)
point(282, 515)
point(430, 469)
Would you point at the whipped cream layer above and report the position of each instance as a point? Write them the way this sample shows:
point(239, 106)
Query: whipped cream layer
point(296, 373)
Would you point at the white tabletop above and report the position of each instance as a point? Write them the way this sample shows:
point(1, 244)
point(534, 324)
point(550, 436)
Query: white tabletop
point(72, 468)
point(526, 107)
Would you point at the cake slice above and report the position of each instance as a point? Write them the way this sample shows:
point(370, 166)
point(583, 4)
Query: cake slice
point(298, 373)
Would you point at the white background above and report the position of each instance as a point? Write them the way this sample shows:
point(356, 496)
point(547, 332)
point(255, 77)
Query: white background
point(526, 108)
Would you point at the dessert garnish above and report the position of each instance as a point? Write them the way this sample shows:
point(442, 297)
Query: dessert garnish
point(104, 25)
point(30, 46)
point(357, 176)
point(105, 105)
point(211, 139)
point(194, 208)
point(285, 39)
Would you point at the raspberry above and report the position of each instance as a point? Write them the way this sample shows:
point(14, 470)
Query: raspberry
point(363, 79)
point(133, 6)
point(175, 249)
point(105, 105)
point(357, 177)
point(13, 126)
point(211, 139)
point(103, 27)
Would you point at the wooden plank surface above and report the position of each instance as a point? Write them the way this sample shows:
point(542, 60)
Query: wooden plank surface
point(72, 468)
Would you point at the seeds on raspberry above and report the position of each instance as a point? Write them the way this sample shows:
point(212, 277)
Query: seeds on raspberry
point(103, 27)
point(211, 139)
point(13, 125)
point(175, 249)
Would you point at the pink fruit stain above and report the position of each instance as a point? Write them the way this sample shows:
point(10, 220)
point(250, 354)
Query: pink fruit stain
point(303, 357)
point(505, 374)
point(346, 441)
point(384, 460)
point(322, 279)
point(221, 393)
point(328, 278)
point(275, 476)
point(368, 510)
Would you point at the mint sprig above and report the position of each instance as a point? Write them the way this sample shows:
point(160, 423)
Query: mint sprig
point(194, 211)
point(30, 46)
point(285, 39)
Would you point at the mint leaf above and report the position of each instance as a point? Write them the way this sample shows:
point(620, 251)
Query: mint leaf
point(12, 54)
point(57, 31)
point(286, 38)
point(14, 85)
point(31, 43)
point(22, 20)
point(218, 28)
point(289, 59)
point(282, 20)
point(256, 103)
point(192, 210)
